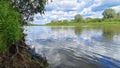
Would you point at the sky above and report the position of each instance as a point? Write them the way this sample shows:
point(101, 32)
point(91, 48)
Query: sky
point(67, 9)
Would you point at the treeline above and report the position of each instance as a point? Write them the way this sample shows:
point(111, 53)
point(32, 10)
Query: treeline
point(109, 15)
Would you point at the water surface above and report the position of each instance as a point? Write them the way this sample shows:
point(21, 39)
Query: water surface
point(76, 47)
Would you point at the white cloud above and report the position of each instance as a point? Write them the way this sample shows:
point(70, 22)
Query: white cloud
point(67, 9)
point(65, 5)
point(117, 8)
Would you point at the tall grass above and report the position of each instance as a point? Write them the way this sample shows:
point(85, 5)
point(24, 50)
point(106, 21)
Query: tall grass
point(81, 24)
point(10, 31)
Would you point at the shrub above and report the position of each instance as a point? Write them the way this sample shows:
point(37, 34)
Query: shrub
point(10, 31)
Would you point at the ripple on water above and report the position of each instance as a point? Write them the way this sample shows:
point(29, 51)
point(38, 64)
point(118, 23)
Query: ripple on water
point(75, 48)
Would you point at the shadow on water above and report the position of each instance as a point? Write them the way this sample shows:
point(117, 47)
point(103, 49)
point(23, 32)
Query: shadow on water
point(77, 47)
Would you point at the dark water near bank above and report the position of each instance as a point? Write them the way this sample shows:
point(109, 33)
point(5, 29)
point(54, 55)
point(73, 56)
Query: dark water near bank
point(77, 47)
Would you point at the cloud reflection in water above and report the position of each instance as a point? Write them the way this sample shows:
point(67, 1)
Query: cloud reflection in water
point(63, 48)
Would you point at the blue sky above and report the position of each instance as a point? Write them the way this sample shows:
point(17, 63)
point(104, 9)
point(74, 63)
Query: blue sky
point(67, 9)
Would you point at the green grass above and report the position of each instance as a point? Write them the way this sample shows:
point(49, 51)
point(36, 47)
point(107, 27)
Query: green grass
point(3, 46)
point(82, 24)
point(10, 31)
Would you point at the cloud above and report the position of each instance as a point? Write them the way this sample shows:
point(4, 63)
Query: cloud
point(67, 9)
point(106, 4)
point(65, 5)
point(117, 8)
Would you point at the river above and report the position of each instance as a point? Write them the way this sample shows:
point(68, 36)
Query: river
point(76, 47)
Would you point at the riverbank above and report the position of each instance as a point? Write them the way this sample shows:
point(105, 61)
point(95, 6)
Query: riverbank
point(14, 53)
point(82, 24)
point(22, 53)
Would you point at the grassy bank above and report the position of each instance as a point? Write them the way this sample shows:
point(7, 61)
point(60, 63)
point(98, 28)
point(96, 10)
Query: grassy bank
point(14, 53)
point(10, 31)
point(81, 24)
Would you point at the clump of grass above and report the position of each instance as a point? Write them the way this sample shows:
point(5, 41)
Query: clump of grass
point(10, 31)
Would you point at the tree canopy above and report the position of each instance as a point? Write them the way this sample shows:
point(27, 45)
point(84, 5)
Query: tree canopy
point(78, 18)
point(118, 15)
point(27, 8)
point(109, 13)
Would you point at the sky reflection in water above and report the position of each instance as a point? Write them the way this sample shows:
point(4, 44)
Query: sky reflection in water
point(76, 47)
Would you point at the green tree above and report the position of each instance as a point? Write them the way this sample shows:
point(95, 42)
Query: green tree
point(88, 19)
point(118, 15)
point(96, 20)
point(65, 21)
point(109, 13)
point(78, 18)
point(27, 8)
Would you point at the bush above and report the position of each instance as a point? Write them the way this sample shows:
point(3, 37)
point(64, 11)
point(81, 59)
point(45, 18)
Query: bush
point(10, 31)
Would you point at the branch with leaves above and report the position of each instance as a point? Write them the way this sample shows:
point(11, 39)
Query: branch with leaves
point(27, 8)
